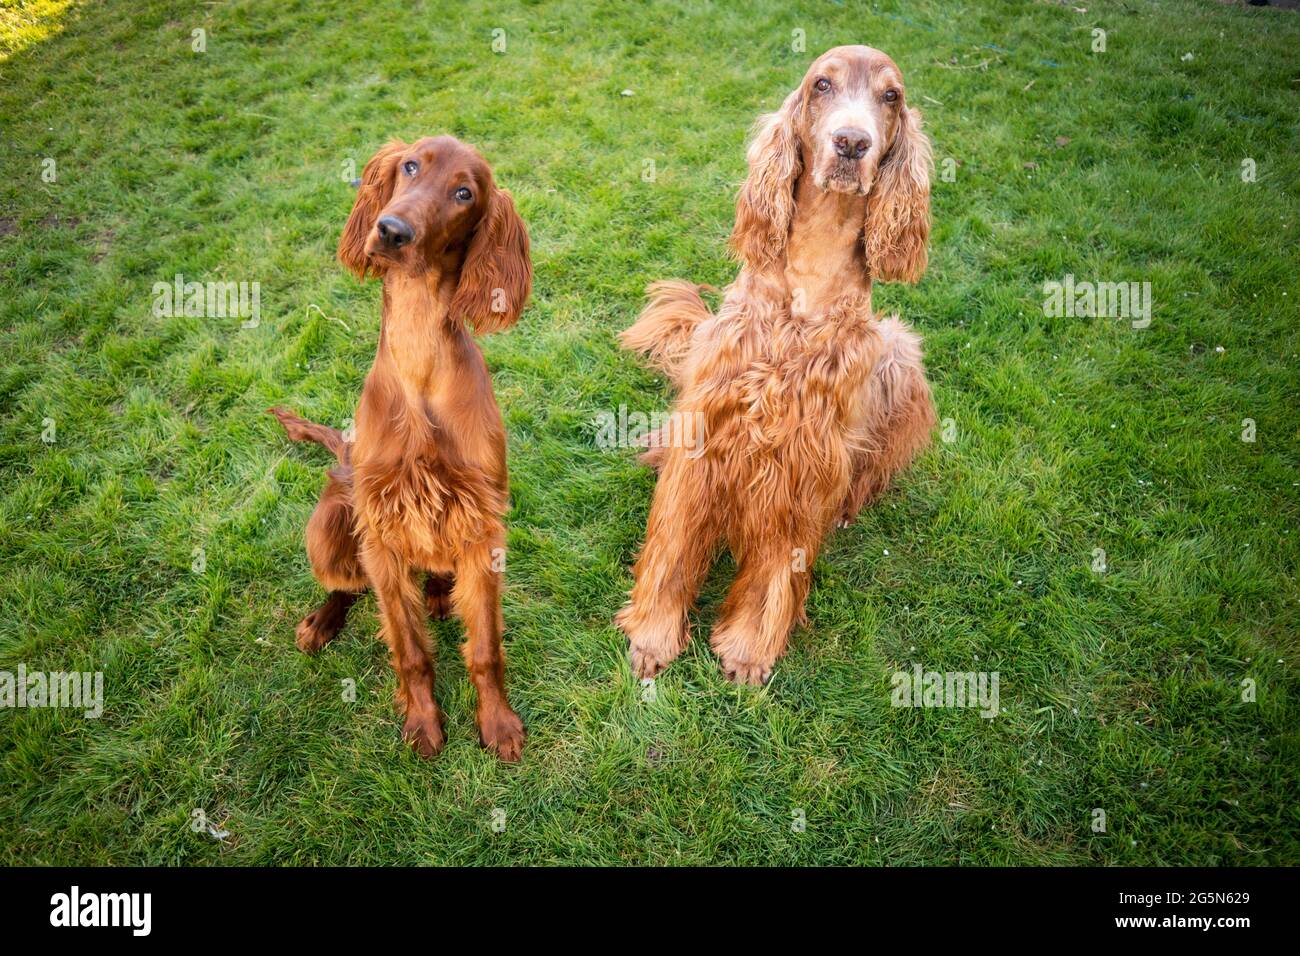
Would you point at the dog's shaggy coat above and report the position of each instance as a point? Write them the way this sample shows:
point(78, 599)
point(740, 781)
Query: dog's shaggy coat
point(423, 487)
point(809, 402)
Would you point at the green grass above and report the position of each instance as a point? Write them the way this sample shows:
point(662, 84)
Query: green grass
point(1119, 691)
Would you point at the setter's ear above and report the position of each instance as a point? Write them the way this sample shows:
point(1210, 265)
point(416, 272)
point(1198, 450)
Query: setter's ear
point(497, 274)
point(373, 195)
point(898, 208)
point(766, 202)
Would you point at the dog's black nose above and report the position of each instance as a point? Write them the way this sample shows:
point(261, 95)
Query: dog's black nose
point(851, 143)
point(394, 232)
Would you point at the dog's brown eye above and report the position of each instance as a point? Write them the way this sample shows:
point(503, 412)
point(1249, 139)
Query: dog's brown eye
point(891, 96)
point(410, 167)
point(822, 85)
point(464, 195)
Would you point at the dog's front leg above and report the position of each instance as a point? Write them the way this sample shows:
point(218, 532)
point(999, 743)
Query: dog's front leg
point(762, 606)
point(680, 538)
point(476, 596)
point(402, 616)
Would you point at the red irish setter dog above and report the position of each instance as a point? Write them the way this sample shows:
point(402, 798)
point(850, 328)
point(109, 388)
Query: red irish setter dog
point(809, 403)
point(423, 487)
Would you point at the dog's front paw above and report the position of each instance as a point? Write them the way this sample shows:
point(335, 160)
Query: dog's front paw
point(502, 731)
point(743, 659)
point(644, 663)
point(424, 733)
point(650, 648)
point(755, 673)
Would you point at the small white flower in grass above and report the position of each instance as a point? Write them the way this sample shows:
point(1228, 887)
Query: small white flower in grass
point(1187, 57)
point(627, 93)
point(886, 552)
point(1219, 349)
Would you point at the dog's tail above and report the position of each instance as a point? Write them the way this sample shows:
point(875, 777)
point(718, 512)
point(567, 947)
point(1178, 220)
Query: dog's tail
point(299, 429)
point(663, 331)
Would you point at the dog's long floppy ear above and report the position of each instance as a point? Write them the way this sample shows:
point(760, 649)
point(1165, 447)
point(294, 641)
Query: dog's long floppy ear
point(766, 202)
point(497, 274)
point(373, 195)
point(898, 208)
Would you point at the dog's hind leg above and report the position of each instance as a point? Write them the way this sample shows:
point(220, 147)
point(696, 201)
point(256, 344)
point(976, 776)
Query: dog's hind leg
point(332, 550)
point(437, 594)
point(897, 416)
point(323, 624)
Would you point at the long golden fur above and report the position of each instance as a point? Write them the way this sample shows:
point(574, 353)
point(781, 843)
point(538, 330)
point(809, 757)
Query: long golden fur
point(423, 487)
point(809, 402)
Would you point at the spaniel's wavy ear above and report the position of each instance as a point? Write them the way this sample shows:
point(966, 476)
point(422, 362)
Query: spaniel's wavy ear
point(766, 202)
point(497, 274)
point(898, 207)
point(373, 195)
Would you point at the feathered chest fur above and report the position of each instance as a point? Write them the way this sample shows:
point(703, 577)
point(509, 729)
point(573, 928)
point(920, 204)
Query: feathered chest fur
point(425, 503)
point(777, 372)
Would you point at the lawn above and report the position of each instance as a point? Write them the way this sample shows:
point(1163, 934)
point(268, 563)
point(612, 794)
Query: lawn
point(151, 516)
